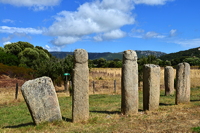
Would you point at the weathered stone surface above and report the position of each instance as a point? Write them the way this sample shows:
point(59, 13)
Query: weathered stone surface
point(182, 83)
point(151, 87)
point(169, 80)
point(41, 99)
point(80, 96)
point(129, 103)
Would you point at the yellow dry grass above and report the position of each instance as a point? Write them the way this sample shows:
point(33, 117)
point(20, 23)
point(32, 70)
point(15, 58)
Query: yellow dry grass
point(104, 83)
point(7, 96)
point(108, 75)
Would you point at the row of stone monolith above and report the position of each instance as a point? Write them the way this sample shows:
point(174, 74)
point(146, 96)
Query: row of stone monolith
point(183, 83)
point(129, 90)
point(151, 87)
point(43, 104)
point(169, 80)
point(80, 96)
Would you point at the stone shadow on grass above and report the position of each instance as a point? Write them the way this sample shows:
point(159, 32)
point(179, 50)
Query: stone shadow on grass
point(165, 104)
point(66, 119)
point(21, 125)
point(194, 100)
point(106, 112)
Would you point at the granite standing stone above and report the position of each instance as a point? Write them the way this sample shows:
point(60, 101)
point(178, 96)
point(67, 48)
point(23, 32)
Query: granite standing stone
point(80, 97)
point(41, 99)
point(169, 80)
point(151, 87)
point(129, 103)
point(182, 83)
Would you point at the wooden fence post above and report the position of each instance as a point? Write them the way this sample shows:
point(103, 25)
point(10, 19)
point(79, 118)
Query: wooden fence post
point(16, 91)
point(93, 84)
point(115, 86)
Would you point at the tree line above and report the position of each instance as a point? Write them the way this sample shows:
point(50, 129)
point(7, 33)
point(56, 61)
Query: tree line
point(39, 62)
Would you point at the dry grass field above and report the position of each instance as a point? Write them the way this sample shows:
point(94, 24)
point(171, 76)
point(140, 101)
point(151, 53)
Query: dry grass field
point(104, 79)
point(104, 109)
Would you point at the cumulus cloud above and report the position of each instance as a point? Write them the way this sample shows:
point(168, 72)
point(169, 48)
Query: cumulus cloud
point(152, 34)
point(140, 33)
point(6, 43)
point(6, 29)
point(151, 2)
point(35, 4)
point(97, 17)
point(115, 34)
point(8, 21)
point(62, 40)
point(47, 47)
point(173, 33)
point(11, 36)
point(189, 43)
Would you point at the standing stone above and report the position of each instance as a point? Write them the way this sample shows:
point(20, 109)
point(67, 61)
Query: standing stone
point(41, 99)
point(169, 80)
point(151, 87)
point(129, 104)
point(80, 97)
point(183, 83)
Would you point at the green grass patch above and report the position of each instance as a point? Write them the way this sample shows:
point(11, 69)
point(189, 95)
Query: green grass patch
point(105, 116)
point(196, 129)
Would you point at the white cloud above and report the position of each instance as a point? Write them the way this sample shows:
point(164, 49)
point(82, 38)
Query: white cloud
point(6, 29)
point(47, 47)
point(173, 33)
point(8, 21)
point(97, 17)
point(189, 43)
point(13, 35)
point(140, 33)
point(6, 43)
point(114, 34)
point(62, 40)
point(98, 38)
point(138, 30)
point(152, 34)
point(151, 2)
point(35, 4)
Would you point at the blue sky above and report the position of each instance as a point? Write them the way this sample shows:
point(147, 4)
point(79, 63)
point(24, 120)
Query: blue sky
point(102, 25)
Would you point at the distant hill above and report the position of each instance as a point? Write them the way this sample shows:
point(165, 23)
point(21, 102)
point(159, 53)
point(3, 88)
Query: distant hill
point(195, 52)
point(109, 55)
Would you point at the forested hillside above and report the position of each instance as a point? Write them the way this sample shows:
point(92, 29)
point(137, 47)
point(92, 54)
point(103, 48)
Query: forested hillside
point(191, 56)
point(109, 55)
point(26, 61)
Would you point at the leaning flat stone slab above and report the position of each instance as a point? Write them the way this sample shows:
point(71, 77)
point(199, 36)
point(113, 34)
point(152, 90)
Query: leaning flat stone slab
point(41, 99)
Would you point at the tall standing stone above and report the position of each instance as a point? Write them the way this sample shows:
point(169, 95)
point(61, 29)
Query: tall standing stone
point(151, 87)
point(183, 83)
point(169, 80)
point(129, 103)
point(41, 99)
point(80, 97)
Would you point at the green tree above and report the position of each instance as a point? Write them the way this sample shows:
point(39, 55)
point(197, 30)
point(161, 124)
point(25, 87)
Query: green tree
point(28, 58)
point(24, 45)
point(101, 62)
point(12, 49)
point(193, 61)
point(8, 59)
point(151, 59)
point(2, 50)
